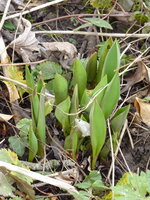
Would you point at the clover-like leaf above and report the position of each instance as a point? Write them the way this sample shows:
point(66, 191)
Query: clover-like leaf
point(99, 22)
point(17, 145)
point(49, 69)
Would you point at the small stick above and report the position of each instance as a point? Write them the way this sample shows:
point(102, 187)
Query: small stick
point(22, 85)
point(117, 35)
point(80, 16)
point(125, 160)
point(117, 149)
point(113, 158)
point(26, 63)
point(4, 14)
point(37, 176)
point(35, 8)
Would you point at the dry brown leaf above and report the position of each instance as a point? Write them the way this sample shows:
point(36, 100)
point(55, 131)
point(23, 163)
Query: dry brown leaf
point(143, 109)
point(12, 6)
point(62, 52)
point(70, 176)
point(13, 92)
point(26, 44)
point(5, 117)
point(148, 72)
point(138, 76)
point(139, 94)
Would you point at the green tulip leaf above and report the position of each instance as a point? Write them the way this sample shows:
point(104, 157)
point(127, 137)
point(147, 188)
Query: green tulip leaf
point(79, 77)
point(33, 145)
point(40, 131)
point(35, 105)
point(74, 106)
point(85, 100)
point(97, 131)
point(29, 80)
point(99, 91)
point(71, 142)
point(102, 53)
point(91, 67)
point(49, 106)
point(106, 148)
point(111, 96)
point(60, 87)
point(112, 61)
point(62, 116)
point(119, 118)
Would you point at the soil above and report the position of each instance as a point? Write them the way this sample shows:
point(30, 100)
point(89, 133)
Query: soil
point(137, 158)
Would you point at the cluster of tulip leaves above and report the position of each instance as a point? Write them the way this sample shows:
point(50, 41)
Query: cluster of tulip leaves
point(84, 111)
point(40, 107)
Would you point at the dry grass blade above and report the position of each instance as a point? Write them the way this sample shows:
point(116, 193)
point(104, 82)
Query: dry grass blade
point(36, 176)
point(35, 9)
point(5, 13)
point(117, 35)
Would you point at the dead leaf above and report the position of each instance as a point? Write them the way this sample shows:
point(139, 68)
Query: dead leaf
point(26, 44)
point(138, 76)
point(143, 109)
point(70, 176)
point(9, 71)
point(139, 94)
point(13, 92)
point(62, 52)
point(5, 117)
point(147, 70)
point(18, 2)
point(13, 4)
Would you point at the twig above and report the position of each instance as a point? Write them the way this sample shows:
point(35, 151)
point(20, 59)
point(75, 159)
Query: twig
point(80, 16)
point(3, 53)
point(130, 138)
point(144, 36)
point(134, 61)
point(22, 85)
point(4, 14)
point(117, 149)
point(35, 8)
point(57, 175)
point(26, 63)
point(37, 176)
point(124, 160)
point(113, 158)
